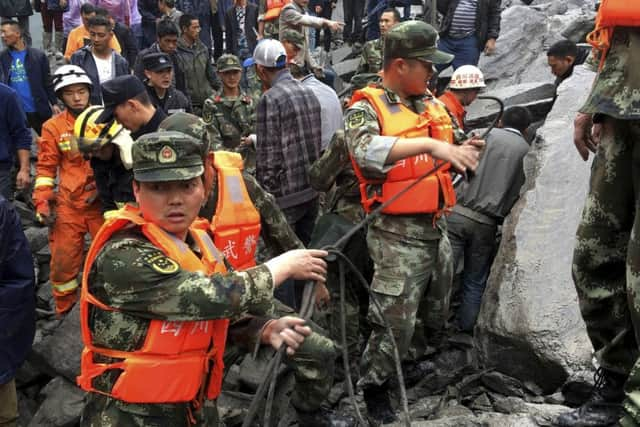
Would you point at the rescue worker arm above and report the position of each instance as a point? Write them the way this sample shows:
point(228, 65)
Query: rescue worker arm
point(493, 28)
point(49, 157)
point(275, 230)
point(23, 178)
point(246, 332)
point(585, 137)
point(101, 175)
point(292, 17)
point(289, 330)
point(462, 157)
point(136, 277)
point(324, 171)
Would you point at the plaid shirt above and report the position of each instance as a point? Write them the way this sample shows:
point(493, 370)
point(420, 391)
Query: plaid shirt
point(289, 134)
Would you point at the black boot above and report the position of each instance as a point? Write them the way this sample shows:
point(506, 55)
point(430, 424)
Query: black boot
point(324, 418)
point(603, 407)
point(378, 405)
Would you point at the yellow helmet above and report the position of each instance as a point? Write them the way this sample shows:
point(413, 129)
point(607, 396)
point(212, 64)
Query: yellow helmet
point(88, 135)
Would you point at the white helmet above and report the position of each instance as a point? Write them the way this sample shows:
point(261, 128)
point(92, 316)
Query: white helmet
point(467, 77)
point(68, 75)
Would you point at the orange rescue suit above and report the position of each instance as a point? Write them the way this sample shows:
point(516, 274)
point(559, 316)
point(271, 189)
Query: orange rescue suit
point(185, 352)
point(611, 14)
point(274, 7)
point(75, 204)
point(430, 195)
point(236, 223)
point(454, 106)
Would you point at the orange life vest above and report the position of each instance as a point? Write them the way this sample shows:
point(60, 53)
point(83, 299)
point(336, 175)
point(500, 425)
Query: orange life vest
point(274, 7)
point(611, 14)
point(433, 193)
point(173, 365)
point(236, 223)
point(454, 106)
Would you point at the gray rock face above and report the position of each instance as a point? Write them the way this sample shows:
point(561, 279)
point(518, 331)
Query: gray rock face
point(59, 353)
point(530, 325)
point(525, 35)
point(62, 405)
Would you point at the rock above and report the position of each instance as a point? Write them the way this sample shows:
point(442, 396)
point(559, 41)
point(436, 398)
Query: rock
point(233, 407)
point(525, 35)
point(340, 54)
point(45, 297)
point(482, 403)
point(530, 325)
point(575, 393)
point(346, 69)
point(59, 353)
point(543, 414)
point(537, 96)
point(62, 405)
point(503, 384)
point(425, 407)
point(489, 419)
point(555, 399)
point(38, 237)
point(27, 408)
point(26, 213)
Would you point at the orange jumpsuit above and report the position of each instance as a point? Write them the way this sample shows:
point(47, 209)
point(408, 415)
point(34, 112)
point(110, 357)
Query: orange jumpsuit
point(454, 106)
point(75, 204)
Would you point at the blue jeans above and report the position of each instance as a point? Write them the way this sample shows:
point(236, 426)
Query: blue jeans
point(466, 51)
point(475, 243)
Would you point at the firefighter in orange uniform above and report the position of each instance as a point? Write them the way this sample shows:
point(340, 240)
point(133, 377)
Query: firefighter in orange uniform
point(466, 83)
point(73, 210)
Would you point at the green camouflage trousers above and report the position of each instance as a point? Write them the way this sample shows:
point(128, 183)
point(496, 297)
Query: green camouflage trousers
point(606, 260)
point(408, 273)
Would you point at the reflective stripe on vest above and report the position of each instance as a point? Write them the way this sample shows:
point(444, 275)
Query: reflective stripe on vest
point(175, 360)
point(430, 195)
point(274, 7)
point(44, 181)
point(236, 223)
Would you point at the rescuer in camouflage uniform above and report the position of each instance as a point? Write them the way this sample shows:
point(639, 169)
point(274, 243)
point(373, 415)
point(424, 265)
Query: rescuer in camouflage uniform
point(371, 59)
point(410, 252)
point(606, 259)
point(313, 377)
point(230, 114)
point(343, 199)
point(133, 276)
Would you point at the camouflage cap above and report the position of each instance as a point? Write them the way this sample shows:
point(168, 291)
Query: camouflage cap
point(189, 124)
point(414, 40)
point(166, 156)
point(228, 62)
point(294, 37)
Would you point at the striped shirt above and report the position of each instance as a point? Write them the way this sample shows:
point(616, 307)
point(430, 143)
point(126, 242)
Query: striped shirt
point(464, 18)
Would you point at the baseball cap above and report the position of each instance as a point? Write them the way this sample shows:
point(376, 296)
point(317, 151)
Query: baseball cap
point(166, 156)
point(188, 124)
point(294, 37)
point(157, 61)
point(415, 40)
point(268, 53)
point(116, 91)
point(228, 62)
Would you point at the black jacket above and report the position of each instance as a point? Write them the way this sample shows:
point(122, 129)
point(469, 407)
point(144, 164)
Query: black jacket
point(487, 18)
point(232, 28)
point(178, 76)
point(84, 59)
point(127, 42)
point(174, 101)
point(10, 8)
point(39, 75)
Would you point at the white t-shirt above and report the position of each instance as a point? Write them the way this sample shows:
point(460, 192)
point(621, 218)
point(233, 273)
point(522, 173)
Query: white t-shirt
point(105, 68)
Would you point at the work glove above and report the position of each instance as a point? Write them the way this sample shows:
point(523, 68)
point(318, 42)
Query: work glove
point(44, 199)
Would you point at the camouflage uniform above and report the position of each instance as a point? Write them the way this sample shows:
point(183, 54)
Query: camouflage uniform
point(313, 362)
point(411, 253)
point(135, 277)
point(229, 119)
point(371, 59)
point(335, 167)
point(606, 261)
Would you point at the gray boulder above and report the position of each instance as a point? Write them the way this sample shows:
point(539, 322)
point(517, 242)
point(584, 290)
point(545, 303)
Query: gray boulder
point(62, 405)
point(530, 325)
point(59, 353)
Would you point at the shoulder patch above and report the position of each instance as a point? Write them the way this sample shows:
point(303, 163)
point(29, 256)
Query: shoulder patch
point(356, 119)
point(161, 263)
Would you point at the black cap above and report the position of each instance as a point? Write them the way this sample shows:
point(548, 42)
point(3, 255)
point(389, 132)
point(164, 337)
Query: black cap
point(116, 91)
point(157, 62)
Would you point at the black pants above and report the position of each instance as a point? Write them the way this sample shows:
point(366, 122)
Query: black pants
point(211, 27)
point(327, 11)
point(353, 10)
